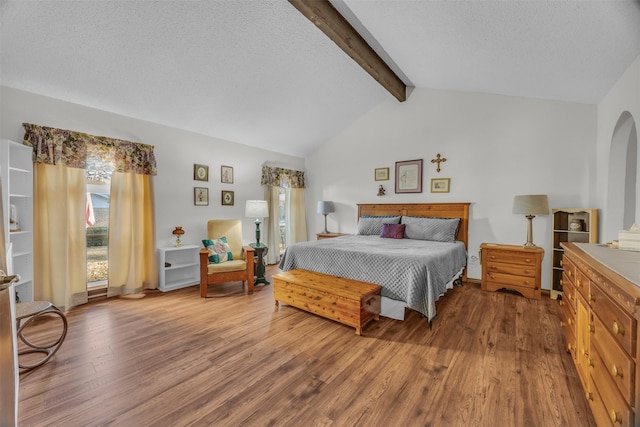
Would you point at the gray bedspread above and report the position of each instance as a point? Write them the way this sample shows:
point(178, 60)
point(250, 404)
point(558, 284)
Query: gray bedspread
point(414, 271)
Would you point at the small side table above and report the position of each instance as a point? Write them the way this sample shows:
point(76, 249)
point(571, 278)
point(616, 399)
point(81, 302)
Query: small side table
point(511, 267)
point(261, 251)
point(321, 236)
point(27, 313)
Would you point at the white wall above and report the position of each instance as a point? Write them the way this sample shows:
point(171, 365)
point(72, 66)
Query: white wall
point(623, 96)
point(496, 147)
point(176, 152)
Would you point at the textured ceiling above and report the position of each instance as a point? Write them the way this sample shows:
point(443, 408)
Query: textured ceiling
point(258, 73)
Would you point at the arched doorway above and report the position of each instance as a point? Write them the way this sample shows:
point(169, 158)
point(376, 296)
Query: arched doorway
point(621, 200)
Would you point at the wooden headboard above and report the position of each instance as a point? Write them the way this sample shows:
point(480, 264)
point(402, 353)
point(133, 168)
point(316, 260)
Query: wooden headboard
point(435, 210)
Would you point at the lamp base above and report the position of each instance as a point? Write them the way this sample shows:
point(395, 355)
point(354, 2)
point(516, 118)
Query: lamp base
point(530, 243)
point(325, 231)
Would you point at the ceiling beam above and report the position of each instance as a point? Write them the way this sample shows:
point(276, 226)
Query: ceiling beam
point(329, 21)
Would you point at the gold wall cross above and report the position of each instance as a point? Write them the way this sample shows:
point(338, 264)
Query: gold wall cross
point(438, 160)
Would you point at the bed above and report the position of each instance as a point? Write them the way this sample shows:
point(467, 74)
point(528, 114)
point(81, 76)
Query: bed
point(413, 272)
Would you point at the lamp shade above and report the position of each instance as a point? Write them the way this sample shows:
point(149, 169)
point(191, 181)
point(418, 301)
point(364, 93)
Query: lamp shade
point(325, 207)
point(531, 205)
point(256, 209)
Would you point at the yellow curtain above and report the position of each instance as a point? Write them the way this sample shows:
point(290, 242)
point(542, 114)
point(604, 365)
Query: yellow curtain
point(296, 221)
point(59, 249)
point(132, 247)
point(272, 224)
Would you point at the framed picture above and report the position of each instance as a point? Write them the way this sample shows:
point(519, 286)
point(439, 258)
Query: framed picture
point(381, 174)
point(227, 198)
point(226, 174)
point(440, 185)
point(200, 172)
point(201, 196)
point(409, 176)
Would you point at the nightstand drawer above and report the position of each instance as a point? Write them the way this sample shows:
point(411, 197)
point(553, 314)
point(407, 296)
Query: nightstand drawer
point(510, 279)
point(511, 257)
point(518, 270)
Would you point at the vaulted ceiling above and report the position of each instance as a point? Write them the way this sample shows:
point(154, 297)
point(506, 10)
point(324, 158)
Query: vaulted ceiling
point(259, 73)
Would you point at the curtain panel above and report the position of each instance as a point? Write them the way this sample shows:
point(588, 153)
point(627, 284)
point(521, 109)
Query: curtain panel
point(281, 177)
point(73, 149)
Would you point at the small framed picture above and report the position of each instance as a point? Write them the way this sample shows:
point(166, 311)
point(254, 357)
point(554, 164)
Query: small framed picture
point(409, 176)
point(200, 172)
point(201, 196)
point(440, 185)
point(227, 198)
point(226, 174)
point(381, 174)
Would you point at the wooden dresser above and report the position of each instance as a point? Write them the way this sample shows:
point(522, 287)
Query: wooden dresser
point(511, 267)
point(600, 312)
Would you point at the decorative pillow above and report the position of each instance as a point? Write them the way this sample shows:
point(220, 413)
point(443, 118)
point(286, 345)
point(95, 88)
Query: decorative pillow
point(393, 231)
point(435, 229)
point(373, 226)
point(219, 250)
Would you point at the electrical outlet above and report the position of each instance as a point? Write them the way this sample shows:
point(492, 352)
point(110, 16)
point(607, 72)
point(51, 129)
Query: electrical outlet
point(473, 260)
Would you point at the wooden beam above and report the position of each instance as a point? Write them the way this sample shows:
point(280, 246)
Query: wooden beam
point(329, 21)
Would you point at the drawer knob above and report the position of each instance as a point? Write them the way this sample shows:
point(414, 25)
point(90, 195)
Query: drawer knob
point(527, 260)
point(527, 272)
point(561, 263)
point(589, 361)
point(569, 273)
point(616, 372)
point(561, 303)
point(578, 283)
point(492, 257)
point(589, 396)
point(591, 297)
point(615, 416)
point(617, 329)
point(591, 328)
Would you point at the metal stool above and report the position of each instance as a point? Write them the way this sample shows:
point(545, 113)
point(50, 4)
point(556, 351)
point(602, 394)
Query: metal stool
point(29, 312)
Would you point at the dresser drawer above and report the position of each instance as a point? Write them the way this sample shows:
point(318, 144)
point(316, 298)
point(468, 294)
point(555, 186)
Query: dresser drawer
point(517, 269)
point(620, 324)
point(581, 283)
point(511, 257)
point(569, 269)
point(617, 410)
point(620, 367)
point(568, 293)
point(568, 327)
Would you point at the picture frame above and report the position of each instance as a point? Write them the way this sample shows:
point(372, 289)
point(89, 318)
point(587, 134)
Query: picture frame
point(227, 198)
point(409, 176)
point(201, 196)
point(200, 172)
point(440, 185)
point(226, 174)
point(381, 174)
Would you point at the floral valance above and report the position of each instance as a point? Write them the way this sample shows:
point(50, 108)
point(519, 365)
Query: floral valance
point(76, 149)
point(280, 177)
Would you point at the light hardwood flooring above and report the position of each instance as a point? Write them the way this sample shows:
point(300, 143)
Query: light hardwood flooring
point(175, 359)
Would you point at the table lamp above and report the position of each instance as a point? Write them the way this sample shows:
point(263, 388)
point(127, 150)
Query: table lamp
point(257, 209)
point(530, 206)
point(325, 208)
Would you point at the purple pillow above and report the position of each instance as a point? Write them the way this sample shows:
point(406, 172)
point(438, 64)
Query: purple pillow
point(393, 231)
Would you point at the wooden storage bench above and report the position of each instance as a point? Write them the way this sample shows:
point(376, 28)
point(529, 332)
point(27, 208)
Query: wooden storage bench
point(347, 301)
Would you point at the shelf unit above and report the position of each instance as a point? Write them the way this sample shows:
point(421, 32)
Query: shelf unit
point(184, 269)
point(562, 219)
point(16, 167)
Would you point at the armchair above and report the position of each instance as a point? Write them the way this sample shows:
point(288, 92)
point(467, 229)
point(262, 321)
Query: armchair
point(242, 265)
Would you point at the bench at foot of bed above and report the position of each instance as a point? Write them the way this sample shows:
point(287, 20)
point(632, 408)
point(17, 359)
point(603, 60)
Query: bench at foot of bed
point(347, 301)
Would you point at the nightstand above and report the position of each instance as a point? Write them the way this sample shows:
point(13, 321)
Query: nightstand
point(321, 236)
point(260, 268)
point(511, 267)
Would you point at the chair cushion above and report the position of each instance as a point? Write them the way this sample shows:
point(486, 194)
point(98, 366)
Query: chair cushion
point(229, 228)
point(219, 250)
point(234, 265)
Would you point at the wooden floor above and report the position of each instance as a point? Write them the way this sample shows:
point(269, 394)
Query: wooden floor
point(174, 359)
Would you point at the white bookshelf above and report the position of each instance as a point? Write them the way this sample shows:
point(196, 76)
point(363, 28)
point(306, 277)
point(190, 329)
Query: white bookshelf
point(184, 268)
point(16, 168)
